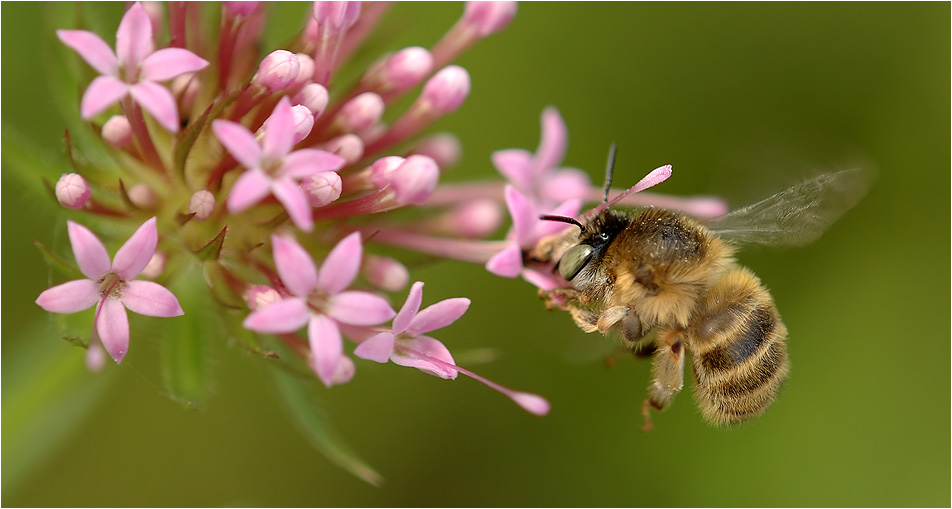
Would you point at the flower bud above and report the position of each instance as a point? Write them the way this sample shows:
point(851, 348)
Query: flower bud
point(476, 219)
point(406, 68)
point(156, 16)
point(386, 273)
point(261, 296)
point(313, 96)
point(202, 204)
point(156, 265)
point(95, 357)
point(382, 168)
point(446, 90)
point(444, 148)
point(72, 191)
point(185, 88)
point(344, 371)
point(489, 17)
point(303, 121)
point(306, 70)
point(235, 9)
point(142, 196)
point(117, 132)
point(336, 17)
point(415, 179)
point(361, 112)
point(349, 146)
point(322, 188)
point(278, 70)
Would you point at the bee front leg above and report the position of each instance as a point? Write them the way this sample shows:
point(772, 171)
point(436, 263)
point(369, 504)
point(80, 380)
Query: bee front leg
point(667, 373)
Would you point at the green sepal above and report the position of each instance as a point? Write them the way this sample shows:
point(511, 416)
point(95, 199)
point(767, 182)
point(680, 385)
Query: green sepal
point(56, 263)
point(212, 249)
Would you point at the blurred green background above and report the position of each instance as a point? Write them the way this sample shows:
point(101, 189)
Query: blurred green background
point(743, 100)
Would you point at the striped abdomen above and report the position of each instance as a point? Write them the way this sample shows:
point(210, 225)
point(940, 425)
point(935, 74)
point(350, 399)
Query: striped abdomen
point(739, 349)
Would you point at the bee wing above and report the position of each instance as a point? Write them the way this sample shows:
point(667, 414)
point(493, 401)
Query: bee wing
point(798, 215)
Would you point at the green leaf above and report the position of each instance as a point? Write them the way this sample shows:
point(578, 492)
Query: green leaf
point(300, 401)
point(57, 263)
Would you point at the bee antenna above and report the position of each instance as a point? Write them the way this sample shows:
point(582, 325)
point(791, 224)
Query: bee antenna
point(610, 169)
point(563, 219)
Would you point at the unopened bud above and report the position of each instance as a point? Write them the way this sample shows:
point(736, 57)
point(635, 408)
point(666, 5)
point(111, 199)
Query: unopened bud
point(386, 273)
point(313, 96)
point(361, 112)
point(202, 204)
point(278, 70)
point(95, 357)
point(336, 17)
point(234, 9)
point(156, 265)
point(489, 17)
point(261, 296)
point(72, 191)
point(344, 371)
point(444, 148)
point(349, 146)
point(306, 70)
point(117, 132)
point(477, 218)
point(322, 188)
point(382, 168)
point(302, 119)
point(156, 16)
point(415, 179)
point(406, 68)
point(142, 196)
point(185, 87)
point(446, 90)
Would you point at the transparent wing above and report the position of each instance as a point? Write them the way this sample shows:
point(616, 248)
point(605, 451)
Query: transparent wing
point(798, 215)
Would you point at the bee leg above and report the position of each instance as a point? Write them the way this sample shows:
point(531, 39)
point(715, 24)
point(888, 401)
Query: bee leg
point(559, 298)
point(585, 319)
point(667, 373)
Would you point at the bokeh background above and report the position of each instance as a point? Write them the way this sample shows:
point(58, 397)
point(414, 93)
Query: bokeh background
point(743, 100)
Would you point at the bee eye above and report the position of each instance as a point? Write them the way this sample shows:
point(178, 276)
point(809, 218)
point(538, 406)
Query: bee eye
point(574, 260)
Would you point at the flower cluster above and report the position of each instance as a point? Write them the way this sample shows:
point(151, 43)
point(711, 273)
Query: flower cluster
point(275, 179)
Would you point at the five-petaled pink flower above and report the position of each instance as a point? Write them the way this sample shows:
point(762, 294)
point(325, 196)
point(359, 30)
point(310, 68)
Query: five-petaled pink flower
point(110, 285)
point(272, 167)
point(405, 341)
point(134, 69)
point(319, 301)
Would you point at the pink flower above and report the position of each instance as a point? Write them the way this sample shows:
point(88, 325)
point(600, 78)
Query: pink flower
point(272, 167)
point(536, 175)
point(110, 285)
point(134, 69)
point(405, 341)
point(319, 301)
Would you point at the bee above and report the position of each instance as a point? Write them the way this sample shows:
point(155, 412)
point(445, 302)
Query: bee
point(662, 272)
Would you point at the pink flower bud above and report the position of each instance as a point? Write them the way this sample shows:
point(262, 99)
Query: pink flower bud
point(382, 168)
point(415, 179)
point(156, 265)
point(185, 88)
point(322, 188)
point(477, 218)
point(95, 357)
point(313, 96)
point(234, 9)
point(336, 17)
point(117, 132)
point(278, 70)
point(142, 196)
point(156, 16)
point(361, 112)
point(489, 17)
point(261, 296)
point(386, 273)
point(447, 89)
point(344, 371)
point(306, 70)
point(202, 204)
point(72, 191)
point(444, 148)
point(349, 146)
point(407, 67)
point(303, 123)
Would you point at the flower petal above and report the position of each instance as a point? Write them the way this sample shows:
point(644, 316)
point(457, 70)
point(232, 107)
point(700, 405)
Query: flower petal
point(90, 254)
point(569, 208)
point(168, 63)
point(102, 93)
point(294, 265)
point(327, 347)
point(134, 37)
point(377, 348)
point(552, 145)
point(306, 162)
point(565, 184)
point(438, 315)
point(429, 347)
point(239, 142)
point(409, 309)
point(150, 299)
point(159, 102)
point(341, 265)
point(113, 327)
point(290, 194)
point(506, 263)
point(524, 216)
point(279, 134)
point(287, 315)
point(516, 165)
point(344, 371)
point(360, 308)
point(135, 254)
point(250, 188)
point(69, 297)
point(92, 49)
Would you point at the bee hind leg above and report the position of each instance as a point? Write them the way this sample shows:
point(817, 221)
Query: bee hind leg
point(667, 373)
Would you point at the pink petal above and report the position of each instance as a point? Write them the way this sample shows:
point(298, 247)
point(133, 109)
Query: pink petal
point(135, 254)
point(341, 265)
point(92, 49)
point(102, 93)
point(159, 102)
point(294, 265)
point(552, 145)
point(168, 63)
point(327, 347)
point(541, 280)
point(344, 371)
point(250, 188)
point(306, 162)
point(279, 135)
point(134, 37)
point(360, 308)
point(516, 165)
point(569, 208)
point(69, 297)
point(290, 194)
point(506, 263)
point(377, 348)
point(239, 142)
point(409, 309)
point(90, 254)
point(438, 315)
point(430, 348)
point(284, 316)
point(113, 327)
point(150, 299)
point(524, 216)
point(565, 184)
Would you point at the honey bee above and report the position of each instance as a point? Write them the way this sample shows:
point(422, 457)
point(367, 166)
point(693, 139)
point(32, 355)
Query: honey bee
point(660, 271)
